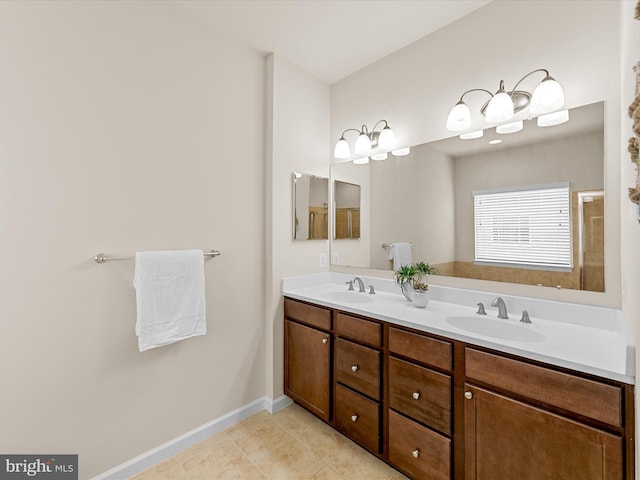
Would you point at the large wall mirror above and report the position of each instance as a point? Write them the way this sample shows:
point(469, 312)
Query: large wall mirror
point(427, 199)
point(310, 207)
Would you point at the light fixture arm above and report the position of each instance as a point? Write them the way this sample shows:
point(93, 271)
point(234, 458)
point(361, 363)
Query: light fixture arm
point(530, 73)
point(379, 122)
point(475, 90)
point(349, 130)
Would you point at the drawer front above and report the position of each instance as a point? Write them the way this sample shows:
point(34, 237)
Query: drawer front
point(420, 393)
point(358, 418)
point(358, 367)
point(358, 329)
point(418, 451)
point(309, 314)
point(423, 349)
point(575, 394)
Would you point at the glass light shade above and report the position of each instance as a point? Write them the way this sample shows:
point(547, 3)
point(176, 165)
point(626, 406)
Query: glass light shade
point(512, 127)
point(379, 156)
point(459, 117)
point(547, 97)
point(500, 108)
point(401, 152)
point(342, 149)
point(495, 142)
point(363, 144)
point(472, 135)
point(555, 118)
point(387, 139)
point(361, 160)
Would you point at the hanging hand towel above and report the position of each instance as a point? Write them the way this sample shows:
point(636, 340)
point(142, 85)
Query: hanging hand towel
point(400, 253)
point(170, 297)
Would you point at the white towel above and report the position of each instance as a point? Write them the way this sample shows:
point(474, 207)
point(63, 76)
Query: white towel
point(170, 297)
point(400, 253)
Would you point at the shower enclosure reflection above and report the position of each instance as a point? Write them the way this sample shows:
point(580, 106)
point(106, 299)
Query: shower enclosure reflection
point(310, 207)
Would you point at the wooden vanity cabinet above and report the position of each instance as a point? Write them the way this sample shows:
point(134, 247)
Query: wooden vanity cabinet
point(440, 409)
point(505, 438)
point(307, 355)
point(420, 407)
point(529, 421)
point(358, 363)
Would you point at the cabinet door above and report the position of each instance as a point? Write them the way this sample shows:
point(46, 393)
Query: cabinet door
point(307, 367)
point(506, 439)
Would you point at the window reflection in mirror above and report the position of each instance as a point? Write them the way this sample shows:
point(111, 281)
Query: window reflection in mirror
point(346, 197)
point(310, 207)
point(426, 198)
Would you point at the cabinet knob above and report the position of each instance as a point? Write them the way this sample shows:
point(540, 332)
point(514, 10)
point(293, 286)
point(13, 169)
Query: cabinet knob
point(416, 453)
point(468, 395)
point(354, 418)
point(325, 340)
point(354, 368)
point(415, 395)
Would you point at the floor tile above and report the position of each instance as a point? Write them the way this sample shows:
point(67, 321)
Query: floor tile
point(291, 444)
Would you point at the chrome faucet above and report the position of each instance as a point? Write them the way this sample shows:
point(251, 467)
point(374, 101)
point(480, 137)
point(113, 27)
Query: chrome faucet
point(360, 284)
point(502, 307)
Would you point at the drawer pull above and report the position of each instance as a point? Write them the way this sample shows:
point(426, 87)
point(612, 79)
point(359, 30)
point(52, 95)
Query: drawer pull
point(416, 453)
point(354, 418)
point(416, 395)
point(354, 368)
point(325, 340)
point(468, 395)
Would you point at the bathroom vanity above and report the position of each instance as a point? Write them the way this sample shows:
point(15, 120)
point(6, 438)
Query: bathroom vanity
point(439, 402)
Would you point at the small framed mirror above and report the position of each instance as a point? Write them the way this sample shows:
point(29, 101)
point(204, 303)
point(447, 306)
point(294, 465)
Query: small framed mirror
point(346, 218)
point(310, 207)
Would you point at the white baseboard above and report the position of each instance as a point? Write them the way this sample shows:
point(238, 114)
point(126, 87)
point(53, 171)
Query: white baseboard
point(272, 406)
point(197, 435)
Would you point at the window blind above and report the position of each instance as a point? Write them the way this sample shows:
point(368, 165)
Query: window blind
point(530, 226)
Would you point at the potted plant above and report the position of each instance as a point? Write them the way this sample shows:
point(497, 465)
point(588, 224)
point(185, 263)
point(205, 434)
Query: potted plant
point(404, 279)
point(412, 280)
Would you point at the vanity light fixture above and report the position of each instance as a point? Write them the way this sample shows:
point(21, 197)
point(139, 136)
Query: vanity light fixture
point(503, 105)
point(495, 142)
point(555, 118)
point(361, 160)
point(472, 135)
point(401, 152)
point(369, 142)
point(512, 127)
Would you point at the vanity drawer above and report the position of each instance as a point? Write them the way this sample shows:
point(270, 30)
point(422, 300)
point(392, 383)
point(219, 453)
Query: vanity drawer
point(418, 451)
point(309, 314)
point(358, 367)
point(421, 348)
point(358, 418)
point(575, 394)
point(358, 329)
point(420, 393)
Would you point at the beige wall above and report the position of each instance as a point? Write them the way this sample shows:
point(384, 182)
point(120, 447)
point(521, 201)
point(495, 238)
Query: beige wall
point(123, 128)
point(297, 136)
point(415, 88)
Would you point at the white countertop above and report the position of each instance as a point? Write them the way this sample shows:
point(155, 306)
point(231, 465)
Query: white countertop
point(584, 338)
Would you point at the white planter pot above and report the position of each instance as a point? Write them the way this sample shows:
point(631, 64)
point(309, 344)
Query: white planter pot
point(420, 299)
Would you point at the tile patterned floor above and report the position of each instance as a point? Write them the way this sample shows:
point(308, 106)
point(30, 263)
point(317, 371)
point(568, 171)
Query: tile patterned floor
point(291, 444)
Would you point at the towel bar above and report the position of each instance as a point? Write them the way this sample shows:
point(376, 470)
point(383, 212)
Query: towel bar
point(103, 257)
point(387, 245)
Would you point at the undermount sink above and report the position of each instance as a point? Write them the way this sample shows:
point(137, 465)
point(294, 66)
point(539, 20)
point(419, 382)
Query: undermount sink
point(502, 329)
point(350, 297)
